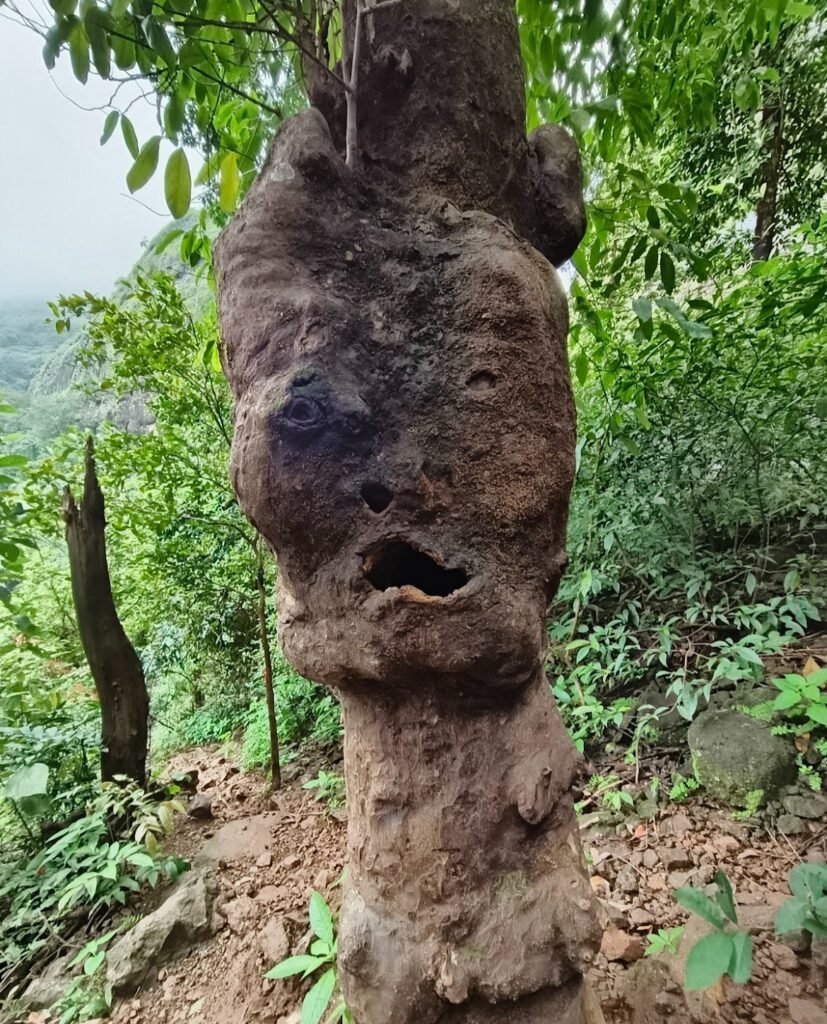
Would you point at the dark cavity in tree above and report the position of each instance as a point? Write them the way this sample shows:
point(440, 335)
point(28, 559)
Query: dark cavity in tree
point(377, 497)
point(399, 565)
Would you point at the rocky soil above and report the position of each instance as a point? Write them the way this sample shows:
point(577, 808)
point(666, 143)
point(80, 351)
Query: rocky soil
point(262, 856)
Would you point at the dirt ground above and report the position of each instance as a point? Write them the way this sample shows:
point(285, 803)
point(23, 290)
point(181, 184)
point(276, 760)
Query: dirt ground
point(270, 852)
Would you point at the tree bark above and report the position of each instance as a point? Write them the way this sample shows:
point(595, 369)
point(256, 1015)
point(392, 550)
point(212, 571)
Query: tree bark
point(766, 213)
point(395, 336)
point(113, 662)
point(269, 687)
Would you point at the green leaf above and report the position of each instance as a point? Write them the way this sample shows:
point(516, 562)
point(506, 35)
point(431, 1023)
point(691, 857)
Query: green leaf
point(708, 960)
point(79, 52)
point(697, 902)
point(790, 916)
point(667, 272)
point(174, 114)
point(98, 40)
point(228, 183)
point(817, 713)
point(642, 309)
point(740, 964)
point(178, 184)
point(159, 41)
point(581, 366)
point(145, 163)
point(321, 920)
point(726, 898)
point(109, 126)
point(294, 965)
point(316, 1000)
point(808, 881)
point(129, 137)
point(31, 780)
point(651, 263)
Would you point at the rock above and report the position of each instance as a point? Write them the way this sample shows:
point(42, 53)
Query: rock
point(238, 912)
point(734, 755)
point(789, 825)
point(677, 825)
point(291, 862)
point(236, 841)
point(757, 919)
point(627, 881)
point(200, 806)
point(783, 956)
point(676, 859)
point(45, 990)
point(322, 880)
point(650, 858)
point(273, 942)
point(616, 915)
point(811, 806)
point(641, 918)
point(802, 1011)
point(181, 921)
point(620, 945)
point(264, 860)
point(678, 879)
point(271, 894)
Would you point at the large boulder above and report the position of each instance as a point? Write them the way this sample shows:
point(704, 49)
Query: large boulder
point(178, 924)
point(734, 755)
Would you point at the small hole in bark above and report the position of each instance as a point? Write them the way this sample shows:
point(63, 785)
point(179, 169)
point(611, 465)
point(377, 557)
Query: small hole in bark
point(482, 381)
point(377, 497)
point(400, 565)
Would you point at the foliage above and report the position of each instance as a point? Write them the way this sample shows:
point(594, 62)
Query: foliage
point(683, 787)
point(807, 910)
point(726, 949)
point(664, 940)
point(88, 995)
point(801, 700)
point(321, 958)
point(328, 788)
point(87, 868)
point(753, 801)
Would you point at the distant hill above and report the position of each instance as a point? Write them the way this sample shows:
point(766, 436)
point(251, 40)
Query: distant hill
point(39, 372)
point(26, 342)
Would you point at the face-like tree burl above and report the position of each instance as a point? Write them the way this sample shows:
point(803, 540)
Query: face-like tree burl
point(404, 440)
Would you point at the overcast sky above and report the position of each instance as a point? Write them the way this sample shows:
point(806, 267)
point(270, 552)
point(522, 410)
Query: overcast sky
point(67, 221)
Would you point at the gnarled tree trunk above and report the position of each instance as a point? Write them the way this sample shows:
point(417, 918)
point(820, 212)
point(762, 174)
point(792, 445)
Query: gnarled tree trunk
point(404, 438)
point(115, 667)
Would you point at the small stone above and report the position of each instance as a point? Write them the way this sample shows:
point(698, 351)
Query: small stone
point(291, 862)
point(273, 942)
point(650, 858)
point(238, 912)
point(618, 945)
point(197, 1008)
point(790, 825)
point(678, 879)
point(783, 956)
point(802, 1011)
point(676, 825)
point(811, 806)
point(656, 882)
point(641, 918)
point(322, 880)
point(264, 860)
point(200, 806)
point(271, 894)
point(617, 915)
point(676, 859)
point(627, 881)
point(725, 844)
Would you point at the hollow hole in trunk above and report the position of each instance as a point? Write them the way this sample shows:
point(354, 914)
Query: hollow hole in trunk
point(376, 496)
point(399, 565)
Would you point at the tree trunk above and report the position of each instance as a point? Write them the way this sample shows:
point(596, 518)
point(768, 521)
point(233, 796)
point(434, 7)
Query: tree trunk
point(772, 124)
point(269, 688)
point(404, 439)
point(115, 667)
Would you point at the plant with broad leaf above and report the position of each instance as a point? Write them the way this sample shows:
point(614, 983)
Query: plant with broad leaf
point(320, 960)
point(727, 949)
point(329, 789)
point(802, 700)
point(807, 910)
point(664, 940)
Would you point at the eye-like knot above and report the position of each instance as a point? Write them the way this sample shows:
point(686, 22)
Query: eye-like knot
point(303, 412)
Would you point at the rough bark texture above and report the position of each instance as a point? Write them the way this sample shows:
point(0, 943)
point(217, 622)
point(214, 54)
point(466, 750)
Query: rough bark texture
point(404, 439)
point(766, 212)
point(115, 667)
